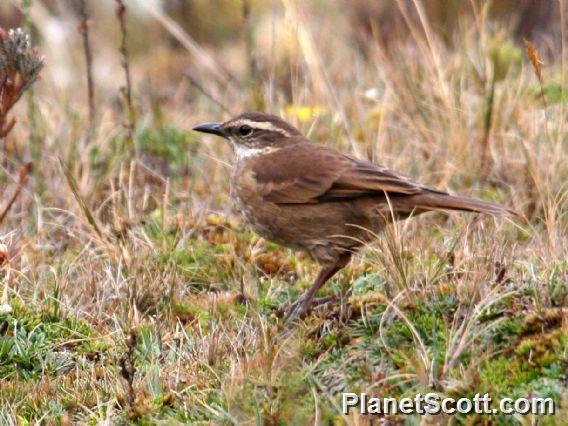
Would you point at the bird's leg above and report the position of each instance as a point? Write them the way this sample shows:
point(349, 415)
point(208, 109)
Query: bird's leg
point(302, 305)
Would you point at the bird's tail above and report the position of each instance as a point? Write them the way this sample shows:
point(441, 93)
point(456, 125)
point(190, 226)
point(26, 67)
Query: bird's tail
point(434, 200)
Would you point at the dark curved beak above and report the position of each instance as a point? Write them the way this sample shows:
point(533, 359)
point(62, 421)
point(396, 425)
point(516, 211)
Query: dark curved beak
point(213, 128)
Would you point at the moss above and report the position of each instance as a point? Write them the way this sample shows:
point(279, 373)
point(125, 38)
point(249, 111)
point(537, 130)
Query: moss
point(503, 374)
point(34, 343)
point(268, 304)
point(543, 350)
point(201, 266)
point(191, 312)
point(309, 350)
point(168, 144)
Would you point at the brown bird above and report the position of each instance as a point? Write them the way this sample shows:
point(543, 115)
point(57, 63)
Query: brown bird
point(313, 198)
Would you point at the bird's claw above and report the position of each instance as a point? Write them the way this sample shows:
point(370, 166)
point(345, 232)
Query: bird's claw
point(301, 307)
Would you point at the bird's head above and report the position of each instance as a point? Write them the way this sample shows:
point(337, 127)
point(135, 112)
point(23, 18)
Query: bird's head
point(254, 133)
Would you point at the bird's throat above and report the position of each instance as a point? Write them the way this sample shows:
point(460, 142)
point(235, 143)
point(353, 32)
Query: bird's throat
point(243, 151)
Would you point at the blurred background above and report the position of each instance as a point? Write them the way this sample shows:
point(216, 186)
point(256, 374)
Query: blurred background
point(214, 59)
point(122, 228)
point(254, 30)
point(227, 46)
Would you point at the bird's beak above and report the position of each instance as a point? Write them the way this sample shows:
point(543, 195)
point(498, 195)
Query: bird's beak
point(213, 128)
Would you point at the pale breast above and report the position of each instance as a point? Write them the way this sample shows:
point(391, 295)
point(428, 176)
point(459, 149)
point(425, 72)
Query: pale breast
point(255, 212)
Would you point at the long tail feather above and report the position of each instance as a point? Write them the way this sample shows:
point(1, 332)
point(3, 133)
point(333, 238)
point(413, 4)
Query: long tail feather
point(441, 201)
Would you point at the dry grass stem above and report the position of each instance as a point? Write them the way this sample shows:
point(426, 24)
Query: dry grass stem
point(22, 178)
point(132, 293)
point(84, 24)
point(127, 89)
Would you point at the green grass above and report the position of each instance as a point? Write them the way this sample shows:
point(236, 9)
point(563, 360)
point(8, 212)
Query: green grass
point(124, 264)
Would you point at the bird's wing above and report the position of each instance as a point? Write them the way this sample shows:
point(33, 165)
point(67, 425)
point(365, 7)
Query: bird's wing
point(308, 173)
point(363, 178)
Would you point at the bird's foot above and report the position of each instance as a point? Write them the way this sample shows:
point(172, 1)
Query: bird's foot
point(302, 307)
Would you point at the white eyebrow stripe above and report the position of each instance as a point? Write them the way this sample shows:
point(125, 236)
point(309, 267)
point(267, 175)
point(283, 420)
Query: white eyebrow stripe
point(264, 125)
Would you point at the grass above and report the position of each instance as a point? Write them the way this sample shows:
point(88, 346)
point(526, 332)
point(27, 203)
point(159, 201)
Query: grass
point(136, 270)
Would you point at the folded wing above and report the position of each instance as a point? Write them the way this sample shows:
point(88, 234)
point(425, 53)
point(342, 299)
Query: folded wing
point(309, 173)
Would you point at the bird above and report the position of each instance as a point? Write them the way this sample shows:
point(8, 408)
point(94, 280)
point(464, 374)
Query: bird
point(313, 198)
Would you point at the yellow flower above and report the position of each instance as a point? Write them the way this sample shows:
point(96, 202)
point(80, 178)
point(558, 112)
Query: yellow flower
point(303, 113)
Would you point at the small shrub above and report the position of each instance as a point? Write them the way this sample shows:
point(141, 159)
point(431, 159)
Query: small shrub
point(20, 65)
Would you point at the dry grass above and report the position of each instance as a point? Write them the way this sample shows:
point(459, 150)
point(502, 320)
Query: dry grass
point(138, 295)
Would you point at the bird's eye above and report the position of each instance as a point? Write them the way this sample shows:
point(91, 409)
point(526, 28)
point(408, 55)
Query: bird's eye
point(245, 130)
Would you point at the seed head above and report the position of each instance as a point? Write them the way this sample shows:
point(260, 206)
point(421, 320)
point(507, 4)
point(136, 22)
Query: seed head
point(18, 60)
